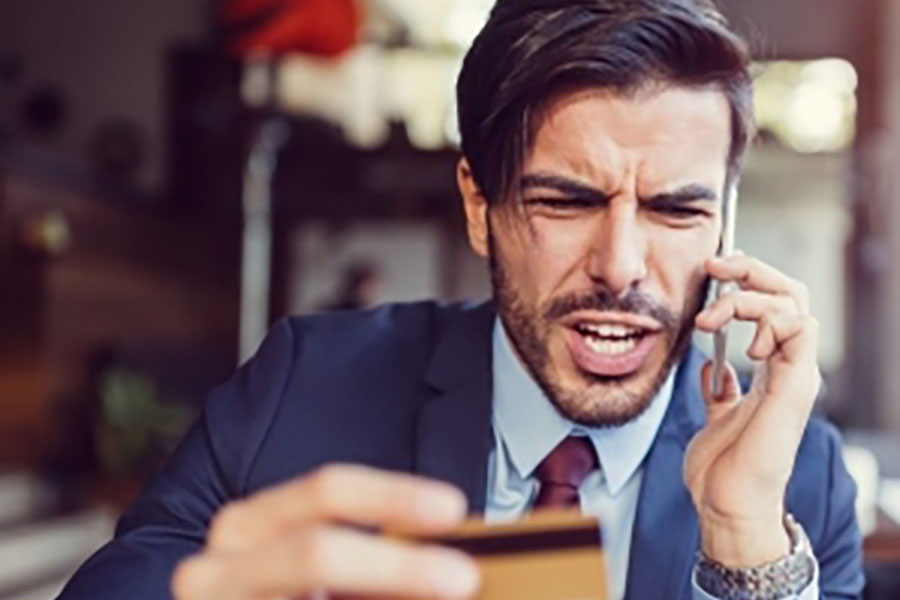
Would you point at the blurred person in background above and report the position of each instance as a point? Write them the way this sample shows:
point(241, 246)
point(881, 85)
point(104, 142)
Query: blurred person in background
point(600, 138)
point(358, 288)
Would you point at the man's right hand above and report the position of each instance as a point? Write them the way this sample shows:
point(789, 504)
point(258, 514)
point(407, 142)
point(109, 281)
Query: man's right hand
point(307, 536)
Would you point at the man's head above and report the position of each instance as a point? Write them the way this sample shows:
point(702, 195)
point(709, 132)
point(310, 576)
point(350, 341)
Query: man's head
point(599, 138)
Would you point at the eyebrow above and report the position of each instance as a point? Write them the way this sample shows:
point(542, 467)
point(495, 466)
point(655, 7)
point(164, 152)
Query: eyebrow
point(688, 194)
point(684, 195)
point(564, 185)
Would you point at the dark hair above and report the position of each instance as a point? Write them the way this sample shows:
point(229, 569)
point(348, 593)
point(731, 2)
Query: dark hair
point(530, 50)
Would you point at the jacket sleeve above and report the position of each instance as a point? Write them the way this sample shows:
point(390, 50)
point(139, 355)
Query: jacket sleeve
point(169, 519)
point(839, 548)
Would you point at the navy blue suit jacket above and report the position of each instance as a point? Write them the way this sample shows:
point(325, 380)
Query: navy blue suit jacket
point(408, 388)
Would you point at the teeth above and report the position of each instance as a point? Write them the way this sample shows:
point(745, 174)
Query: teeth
point(610, 330)
point(610, 348)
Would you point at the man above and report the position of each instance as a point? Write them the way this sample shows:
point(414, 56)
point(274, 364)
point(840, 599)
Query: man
point(599, 139)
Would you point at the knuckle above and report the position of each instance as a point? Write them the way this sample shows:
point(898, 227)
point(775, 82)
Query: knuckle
point(228, 524)
point(730, 300)
point(315, 551)
point(191, 578)
point(787, 306)
point(750, 266)
point(326, 484)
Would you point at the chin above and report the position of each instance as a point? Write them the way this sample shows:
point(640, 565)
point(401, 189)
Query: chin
point(597, 401)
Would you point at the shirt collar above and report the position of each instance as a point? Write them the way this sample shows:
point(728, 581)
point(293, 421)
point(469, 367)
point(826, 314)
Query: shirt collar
point(531, 427)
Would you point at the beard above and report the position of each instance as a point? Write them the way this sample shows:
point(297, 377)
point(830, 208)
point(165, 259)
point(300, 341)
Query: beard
point(604, 401)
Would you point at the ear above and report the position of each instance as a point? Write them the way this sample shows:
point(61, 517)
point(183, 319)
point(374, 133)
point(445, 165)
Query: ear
point(475, 205)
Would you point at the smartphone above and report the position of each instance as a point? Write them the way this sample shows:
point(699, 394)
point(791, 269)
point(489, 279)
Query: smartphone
point(726, 249)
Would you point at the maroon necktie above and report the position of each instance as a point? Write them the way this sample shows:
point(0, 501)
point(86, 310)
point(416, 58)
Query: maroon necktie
point(563, 472)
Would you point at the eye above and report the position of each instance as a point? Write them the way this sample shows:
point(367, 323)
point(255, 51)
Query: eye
point(560, 204)
point(678, 211)
point(681, 211)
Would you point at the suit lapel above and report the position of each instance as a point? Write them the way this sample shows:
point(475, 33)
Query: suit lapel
point(665, 537)
point(453, 437)
point(453, 443)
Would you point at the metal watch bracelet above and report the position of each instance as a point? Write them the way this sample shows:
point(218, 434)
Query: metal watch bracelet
point(783, 578)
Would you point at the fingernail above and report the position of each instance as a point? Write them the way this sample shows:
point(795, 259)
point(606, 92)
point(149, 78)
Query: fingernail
point(457, 576)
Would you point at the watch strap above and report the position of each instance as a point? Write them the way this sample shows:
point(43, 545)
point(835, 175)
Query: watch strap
point(777, 580)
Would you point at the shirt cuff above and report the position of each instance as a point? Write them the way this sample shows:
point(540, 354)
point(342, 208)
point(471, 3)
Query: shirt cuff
point(810, 592)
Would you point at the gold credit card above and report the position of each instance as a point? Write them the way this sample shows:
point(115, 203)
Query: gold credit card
point(549, 555)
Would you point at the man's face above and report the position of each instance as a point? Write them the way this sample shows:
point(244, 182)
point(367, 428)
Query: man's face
point(598, 259)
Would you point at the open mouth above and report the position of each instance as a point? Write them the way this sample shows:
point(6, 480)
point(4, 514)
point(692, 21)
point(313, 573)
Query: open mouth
point(613, 345)
point(611, 340)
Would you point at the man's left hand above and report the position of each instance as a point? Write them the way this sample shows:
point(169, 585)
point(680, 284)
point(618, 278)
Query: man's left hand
point(737, 468)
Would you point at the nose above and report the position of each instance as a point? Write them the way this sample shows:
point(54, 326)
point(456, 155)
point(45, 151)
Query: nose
point(618, 254)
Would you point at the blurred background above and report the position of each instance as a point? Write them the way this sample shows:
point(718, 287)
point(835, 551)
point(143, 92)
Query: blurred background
point(176, 174)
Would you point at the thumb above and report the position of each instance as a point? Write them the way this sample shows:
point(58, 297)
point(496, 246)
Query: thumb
point(731, 390)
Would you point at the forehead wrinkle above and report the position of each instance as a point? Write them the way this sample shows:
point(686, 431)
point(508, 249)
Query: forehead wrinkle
point(650, 141)
point(570, 152)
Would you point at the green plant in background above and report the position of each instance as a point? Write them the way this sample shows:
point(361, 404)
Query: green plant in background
point(136, 425)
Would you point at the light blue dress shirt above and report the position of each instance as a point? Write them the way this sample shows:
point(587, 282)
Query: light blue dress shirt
point(527, 428)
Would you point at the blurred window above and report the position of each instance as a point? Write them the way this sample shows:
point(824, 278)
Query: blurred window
point(810, 106)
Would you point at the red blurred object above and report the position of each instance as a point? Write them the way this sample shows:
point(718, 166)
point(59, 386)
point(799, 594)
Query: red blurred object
point(321, 27)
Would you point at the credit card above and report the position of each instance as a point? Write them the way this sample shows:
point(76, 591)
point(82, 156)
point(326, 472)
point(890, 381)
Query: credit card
point(548, 555)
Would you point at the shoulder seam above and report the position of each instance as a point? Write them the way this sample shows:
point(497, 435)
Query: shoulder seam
point(286, 323)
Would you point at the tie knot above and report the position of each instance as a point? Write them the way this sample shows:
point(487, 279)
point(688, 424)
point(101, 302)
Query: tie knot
point(564, 470)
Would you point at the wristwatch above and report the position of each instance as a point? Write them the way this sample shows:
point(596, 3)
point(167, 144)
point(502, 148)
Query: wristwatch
point(783, 578)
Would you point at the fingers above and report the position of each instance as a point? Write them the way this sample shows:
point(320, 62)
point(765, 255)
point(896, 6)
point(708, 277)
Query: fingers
point(743, 306)
point(777, 321)
point(797, 337)
point(339, 560)
point(731, 391)
point(297, 539)
point(348, 494)
point(782, 423)
point(753, 274)
point(781, 330)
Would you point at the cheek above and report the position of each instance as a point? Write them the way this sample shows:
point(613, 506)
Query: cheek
point(678, 258)
point(553, 251)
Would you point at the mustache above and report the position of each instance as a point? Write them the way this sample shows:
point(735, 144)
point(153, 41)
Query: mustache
point(601, 299)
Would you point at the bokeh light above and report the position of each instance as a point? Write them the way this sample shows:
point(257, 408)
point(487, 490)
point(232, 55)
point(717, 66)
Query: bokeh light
point(809, 106)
